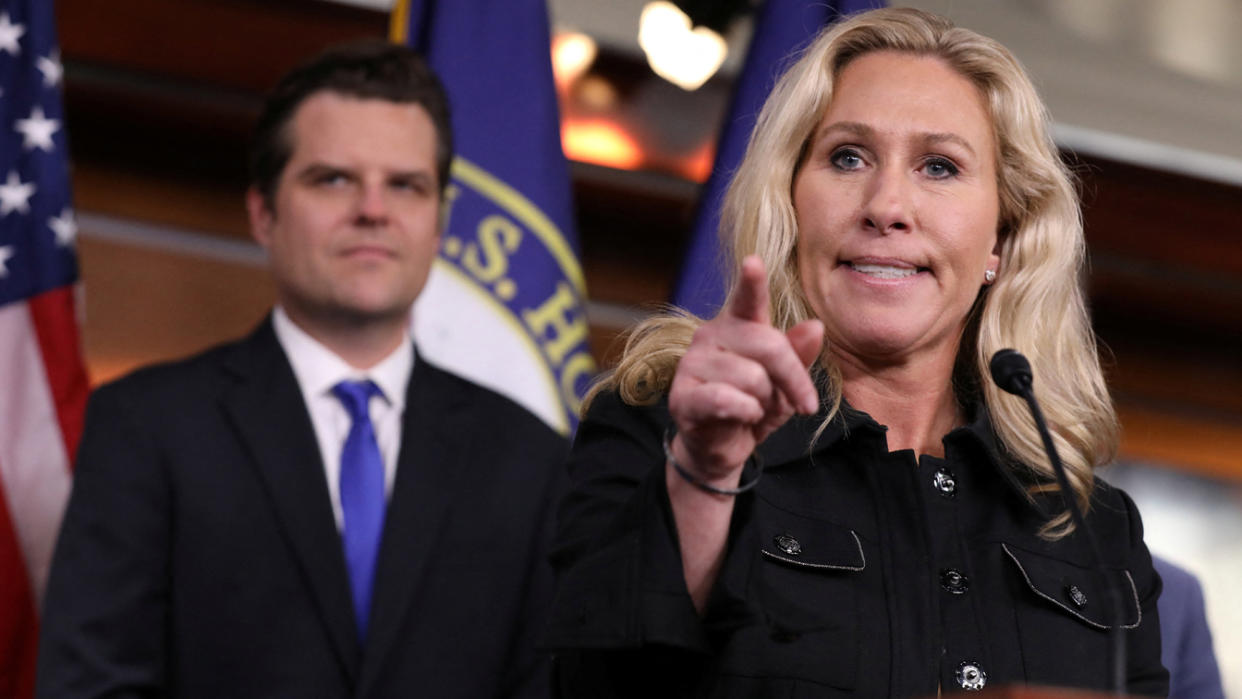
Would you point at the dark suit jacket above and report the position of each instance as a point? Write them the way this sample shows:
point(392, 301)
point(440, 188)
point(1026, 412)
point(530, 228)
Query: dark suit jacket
point(1186, 641)
point(199, 556)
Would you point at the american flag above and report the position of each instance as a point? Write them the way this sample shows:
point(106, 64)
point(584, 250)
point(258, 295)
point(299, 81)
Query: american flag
point(43, 384)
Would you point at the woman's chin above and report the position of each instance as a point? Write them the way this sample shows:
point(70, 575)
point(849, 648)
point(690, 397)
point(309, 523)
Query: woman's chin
point(889, 344)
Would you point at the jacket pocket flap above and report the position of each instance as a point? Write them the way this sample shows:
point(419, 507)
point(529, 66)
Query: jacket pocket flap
point(809, 543)
point(812, 567)
point(1078, 590)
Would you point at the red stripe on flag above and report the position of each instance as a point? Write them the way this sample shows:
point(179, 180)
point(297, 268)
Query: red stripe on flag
point(56, 325)
point(19, 625)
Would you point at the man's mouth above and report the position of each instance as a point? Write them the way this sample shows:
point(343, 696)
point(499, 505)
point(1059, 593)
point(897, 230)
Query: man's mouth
point(368, 251)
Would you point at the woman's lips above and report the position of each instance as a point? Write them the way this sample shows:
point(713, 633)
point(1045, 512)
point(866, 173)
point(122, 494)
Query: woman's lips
point(886, 269)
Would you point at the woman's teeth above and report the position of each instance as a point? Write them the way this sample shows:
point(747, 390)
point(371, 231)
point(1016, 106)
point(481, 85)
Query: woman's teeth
point(885, 271)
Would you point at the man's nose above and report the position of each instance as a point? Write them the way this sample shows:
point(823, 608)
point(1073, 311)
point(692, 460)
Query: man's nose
point(372, 205)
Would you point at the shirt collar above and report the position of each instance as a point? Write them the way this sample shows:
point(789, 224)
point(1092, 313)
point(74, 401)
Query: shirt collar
point(318, 368)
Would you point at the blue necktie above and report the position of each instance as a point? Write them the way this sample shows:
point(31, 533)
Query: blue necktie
point(362, 495)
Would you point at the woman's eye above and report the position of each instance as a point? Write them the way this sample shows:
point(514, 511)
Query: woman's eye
point(847, 159)
point(939, 168)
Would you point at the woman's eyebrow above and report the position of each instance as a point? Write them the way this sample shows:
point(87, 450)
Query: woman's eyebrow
point(856, 128)
point(932, 138)
point(853, 128)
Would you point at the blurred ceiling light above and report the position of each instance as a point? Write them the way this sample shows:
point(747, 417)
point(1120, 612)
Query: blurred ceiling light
point(594, 92)
point(680, 54)
point(572, 55)
point(600, 142)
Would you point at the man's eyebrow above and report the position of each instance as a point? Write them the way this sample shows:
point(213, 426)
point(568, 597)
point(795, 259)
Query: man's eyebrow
point(412, 174)
point(319, 168)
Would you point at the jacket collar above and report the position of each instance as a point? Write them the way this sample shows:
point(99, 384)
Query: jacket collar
point(439, 437)
point(266, 408)
point(796, 439)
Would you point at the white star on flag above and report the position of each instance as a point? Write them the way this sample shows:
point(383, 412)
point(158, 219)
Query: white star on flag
point(15, 195)
point(9, 34)
point(6, 251)
point(37, 130)
point(51, 68)
point(65, 226)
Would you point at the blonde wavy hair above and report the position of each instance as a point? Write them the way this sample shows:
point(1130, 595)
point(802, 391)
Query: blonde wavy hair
point(1036, 304)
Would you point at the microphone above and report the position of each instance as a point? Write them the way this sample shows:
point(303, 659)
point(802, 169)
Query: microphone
point(1012, 373)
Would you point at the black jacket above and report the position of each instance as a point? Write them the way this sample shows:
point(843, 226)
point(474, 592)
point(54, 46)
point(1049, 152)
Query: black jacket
point(851, 571)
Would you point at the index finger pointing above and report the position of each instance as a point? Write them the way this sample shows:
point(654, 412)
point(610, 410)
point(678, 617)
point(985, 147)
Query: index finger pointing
point(750, 299)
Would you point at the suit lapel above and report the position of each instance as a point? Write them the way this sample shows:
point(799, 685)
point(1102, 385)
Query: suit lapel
point(431, 466)
point(268, 412)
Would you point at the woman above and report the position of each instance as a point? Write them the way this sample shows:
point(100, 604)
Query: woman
point(901, 214)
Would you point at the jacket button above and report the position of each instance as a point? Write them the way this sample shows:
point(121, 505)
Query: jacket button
point(788, 544)
point(952, 580)
point(1076, 595)
point(971, 677)
point(944, 482)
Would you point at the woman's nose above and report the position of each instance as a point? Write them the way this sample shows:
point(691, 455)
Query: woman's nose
point(888, 205)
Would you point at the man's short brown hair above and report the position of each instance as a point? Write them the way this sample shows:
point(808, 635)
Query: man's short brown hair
point(367, 69)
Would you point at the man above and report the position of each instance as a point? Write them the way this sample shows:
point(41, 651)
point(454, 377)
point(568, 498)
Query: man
point(313, 511)
point(1185, 639)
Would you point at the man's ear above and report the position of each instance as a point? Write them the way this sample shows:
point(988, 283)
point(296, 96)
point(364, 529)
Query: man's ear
point(261, 217)
point(447, 197)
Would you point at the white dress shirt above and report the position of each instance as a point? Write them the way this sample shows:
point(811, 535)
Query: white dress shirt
point(317, 370)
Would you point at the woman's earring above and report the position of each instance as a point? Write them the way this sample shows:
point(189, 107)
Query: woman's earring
point(989, 276)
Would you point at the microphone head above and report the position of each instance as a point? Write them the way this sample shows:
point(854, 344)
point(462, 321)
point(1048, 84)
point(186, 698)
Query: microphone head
point(1011, 371)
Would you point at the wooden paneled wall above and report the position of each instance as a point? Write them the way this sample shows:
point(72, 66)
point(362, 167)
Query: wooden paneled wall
point(161, 93)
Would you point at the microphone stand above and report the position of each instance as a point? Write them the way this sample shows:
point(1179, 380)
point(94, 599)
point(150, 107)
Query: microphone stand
point(1012, 373)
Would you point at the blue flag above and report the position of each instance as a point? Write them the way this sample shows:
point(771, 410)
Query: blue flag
point(782, 29)
point(505, 302)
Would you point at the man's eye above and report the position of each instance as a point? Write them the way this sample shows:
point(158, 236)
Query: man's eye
point(846, 159)
point(939, 168)
point(331, 179)
point(417, 185)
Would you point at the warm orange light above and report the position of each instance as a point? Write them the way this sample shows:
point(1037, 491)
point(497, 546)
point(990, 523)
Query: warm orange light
point(595, 93)
point(600, 142)
point(572, 55)
point(698, 166)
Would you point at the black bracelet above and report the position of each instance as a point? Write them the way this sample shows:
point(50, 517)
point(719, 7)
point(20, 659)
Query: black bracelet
point(707, 487)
